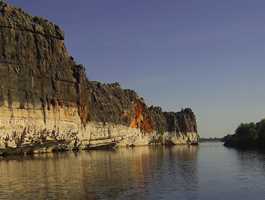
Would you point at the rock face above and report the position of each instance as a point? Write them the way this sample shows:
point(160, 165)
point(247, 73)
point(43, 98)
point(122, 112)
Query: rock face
point(45, 96)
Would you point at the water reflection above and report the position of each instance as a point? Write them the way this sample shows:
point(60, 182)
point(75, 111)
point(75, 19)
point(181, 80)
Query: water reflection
point(247, 158)
point(251, 171)
point(123, 174)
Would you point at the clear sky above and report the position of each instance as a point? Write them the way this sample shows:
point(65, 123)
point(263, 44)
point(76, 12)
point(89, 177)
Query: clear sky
point(205, 54)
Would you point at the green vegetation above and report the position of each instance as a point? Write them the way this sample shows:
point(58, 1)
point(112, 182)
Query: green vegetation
point(211, 139)
point(247, 135)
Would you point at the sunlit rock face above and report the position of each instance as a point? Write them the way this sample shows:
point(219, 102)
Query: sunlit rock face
point(176, 127)
point(45, 96)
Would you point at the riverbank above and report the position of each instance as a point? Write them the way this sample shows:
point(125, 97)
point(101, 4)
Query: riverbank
point(247, 136)
point(99, 144)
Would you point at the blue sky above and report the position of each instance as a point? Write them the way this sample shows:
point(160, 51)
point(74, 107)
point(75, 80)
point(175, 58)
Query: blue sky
point(205, 54)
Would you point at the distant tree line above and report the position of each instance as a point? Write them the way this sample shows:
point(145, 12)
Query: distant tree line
point(211, 139)
point(247, 135)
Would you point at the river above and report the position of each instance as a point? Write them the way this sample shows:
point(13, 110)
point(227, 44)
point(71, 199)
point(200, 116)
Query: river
point(206, 172)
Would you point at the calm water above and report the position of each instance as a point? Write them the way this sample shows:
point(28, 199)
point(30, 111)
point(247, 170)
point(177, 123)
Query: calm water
point(209, 171)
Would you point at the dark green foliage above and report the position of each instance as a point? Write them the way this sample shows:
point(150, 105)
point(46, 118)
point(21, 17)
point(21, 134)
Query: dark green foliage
point(248, 135)
point(261, 132)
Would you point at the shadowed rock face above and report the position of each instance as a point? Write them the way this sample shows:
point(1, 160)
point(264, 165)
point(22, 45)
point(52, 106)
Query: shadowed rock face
point(45, 95)
point(35, 68)
point(111, 103)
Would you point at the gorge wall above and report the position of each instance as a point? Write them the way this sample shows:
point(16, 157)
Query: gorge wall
point(46, 97)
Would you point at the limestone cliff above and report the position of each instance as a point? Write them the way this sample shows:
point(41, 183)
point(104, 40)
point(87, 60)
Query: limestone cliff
point(45, 97)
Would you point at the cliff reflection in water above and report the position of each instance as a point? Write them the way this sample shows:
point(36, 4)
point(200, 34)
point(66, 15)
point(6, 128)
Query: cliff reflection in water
point(126, 173)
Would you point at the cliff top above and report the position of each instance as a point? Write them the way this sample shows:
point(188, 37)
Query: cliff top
point(16, 18)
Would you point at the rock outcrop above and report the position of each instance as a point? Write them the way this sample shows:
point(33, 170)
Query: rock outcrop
point(45, 97)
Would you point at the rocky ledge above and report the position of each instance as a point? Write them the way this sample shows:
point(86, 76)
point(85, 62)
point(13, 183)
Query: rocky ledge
point(47, 103)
